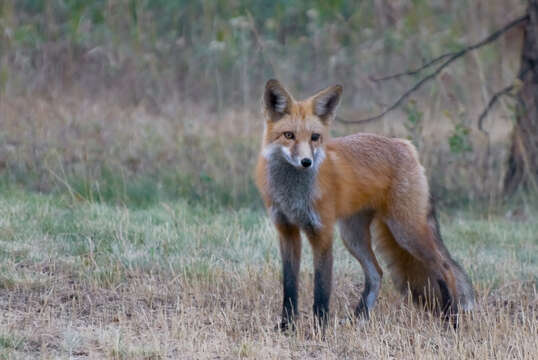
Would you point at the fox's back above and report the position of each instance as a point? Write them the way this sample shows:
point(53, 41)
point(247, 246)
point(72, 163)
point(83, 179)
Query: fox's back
point(379, 153)
point(366, 169)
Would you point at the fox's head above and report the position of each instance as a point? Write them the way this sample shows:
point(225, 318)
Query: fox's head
point(298, 130)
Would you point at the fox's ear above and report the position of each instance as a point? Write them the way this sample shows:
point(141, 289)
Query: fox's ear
point(326, 101)
point(277, 101)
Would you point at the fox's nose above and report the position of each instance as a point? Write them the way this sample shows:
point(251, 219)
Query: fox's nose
point(306, 162)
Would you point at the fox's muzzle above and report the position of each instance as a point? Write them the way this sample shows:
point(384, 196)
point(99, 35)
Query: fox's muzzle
point(303, 153)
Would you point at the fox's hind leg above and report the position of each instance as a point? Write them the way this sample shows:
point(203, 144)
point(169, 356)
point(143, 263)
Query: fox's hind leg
point(355, 232)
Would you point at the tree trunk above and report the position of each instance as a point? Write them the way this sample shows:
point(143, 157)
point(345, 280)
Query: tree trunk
point(523, 161)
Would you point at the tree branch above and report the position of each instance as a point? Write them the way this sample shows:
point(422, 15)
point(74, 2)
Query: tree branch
point(492, 102)
point(451, 58)
point(497, 95)
point(415, 71)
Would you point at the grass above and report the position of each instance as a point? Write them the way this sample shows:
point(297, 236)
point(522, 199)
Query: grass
point(82, 279)
point(151, 242)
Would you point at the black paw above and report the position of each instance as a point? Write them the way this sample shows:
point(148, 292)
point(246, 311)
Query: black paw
point(285, 326)
point(361, 311)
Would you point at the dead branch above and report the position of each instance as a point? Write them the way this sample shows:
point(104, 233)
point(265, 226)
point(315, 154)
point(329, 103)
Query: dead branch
point(415, 71)
point(453, 56)
point(492, 102)
point(506, 91)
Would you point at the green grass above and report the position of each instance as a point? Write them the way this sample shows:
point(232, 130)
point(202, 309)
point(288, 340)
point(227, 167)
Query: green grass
point(114, 186)
point(93, 236)
point(175, 236)
point(87, 262)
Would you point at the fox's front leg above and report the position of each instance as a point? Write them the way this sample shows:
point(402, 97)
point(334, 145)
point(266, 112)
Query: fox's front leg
point(290, 251)
point(323, 264)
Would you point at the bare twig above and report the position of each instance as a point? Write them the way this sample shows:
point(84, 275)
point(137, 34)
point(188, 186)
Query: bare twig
point(492, 102)
point(415, 71)
point(451, 58)
point(260, 43)
point(505, 91)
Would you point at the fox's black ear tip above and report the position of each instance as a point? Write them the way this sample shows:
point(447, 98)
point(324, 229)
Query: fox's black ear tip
point(272, 83)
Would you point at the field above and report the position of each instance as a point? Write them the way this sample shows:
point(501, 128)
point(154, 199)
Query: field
point(83, 279)
point(130, 227)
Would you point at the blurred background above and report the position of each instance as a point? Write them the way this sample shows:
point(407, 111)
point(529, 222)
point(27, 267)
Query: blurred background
point(135, 101)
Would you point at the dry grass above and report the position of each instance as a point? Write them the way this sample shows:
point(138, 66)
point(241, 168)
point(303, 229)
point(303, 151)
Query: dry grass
point(232, 315)
point(99, 147)
point(185, 149)
point(82, 280)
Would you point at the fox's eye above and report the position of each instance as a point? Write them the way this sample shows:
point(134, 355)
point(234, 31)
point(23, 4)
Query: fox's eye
point(289, 135)
point(315, 137)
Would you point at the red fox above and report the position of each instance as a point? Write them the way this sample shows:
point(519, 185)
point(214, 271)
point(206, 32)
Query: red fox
point(373, 186)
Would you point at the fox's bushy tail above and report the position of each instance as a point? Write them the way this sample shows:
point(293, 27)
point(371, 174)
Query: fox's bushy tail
point(443, 286)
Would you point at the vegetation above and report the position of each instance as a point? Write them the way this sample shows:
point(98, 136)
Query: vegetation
point(129, 223)
point(83, 279)
point(147, 90)
point(224, 48)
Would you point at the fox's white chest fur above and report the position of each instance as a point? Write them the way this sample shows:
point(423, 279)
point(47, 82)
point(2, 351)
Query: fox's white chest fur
point(292, 192)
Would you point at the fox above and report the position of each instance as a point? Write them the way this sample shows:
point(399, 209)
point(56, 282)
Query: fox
point(373, 187)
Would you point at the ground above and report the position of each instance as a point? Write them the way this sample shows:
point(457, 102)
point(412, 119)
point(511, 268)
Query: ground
point(80, 279)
